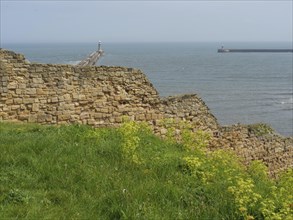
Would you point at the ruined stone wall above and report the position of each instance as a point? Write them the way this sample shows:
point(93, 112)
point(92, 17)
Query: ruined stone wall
point(102, 96)
point(190, 108)
point(58, 94)
point(97, 96)
point(275, 151)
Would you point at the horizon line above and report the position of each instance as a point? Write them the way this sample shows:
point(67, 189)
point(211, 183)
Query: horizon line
point(90, 42)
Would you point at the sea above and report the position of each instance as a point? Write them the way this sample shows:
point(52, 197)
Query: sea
point(244, 88)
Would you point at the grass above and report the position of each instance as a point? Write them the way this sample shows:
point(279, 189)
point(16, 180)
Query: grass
point(77, 172)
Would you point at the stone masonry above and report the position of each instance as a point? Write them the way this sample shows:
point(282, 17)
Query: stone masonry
point(102, 96)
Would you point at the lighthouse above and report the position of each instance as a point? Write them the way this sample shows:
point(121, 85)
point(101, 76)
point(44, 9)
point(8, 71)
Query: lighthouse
point(99, 45)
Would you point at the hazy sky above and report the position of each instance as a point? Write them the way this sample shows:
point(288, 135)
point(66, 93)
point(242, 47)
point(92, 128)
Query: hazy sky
point(89, 21)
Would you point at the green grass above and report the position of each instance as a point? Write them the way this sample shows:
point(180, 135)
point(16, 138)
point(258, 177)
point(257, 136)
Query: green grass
point(77, 172)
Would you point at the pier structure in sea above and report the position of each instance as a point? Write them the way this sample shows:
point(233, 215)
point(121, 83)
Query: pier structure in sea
point(93, 58)
point(225, 50)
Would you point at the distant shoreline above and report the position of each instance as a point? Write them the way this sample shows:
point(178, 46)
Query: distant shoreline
point(224, 50)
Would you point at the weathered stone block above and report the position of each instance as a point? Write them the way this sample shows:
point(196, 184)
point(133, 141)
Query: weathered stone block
point(21, 85)
point(39, 69)
point(81, 97)
point(12, 85)
point(75, 96)
point(4, 84)
point(30, 91)
point(4, 78)
point(67, 97)
point(15, 107)
point(32, 118)
point(104, 110)
point(18, 91)
point(41, 118)
point(28, 100)
point(8, 101)
point(40, 91)
point(100, 94)
point(63, 117)
point(148, 116)
point(118, 119)
point(84, 115)
point(38, 80)
point(35, 107)
point(69, 107)
point(98, 115)
point(54, 99)
point(3, 91)
point(3, 115)
point(23, 70)
point(74, 118)
point(91, 122)
point(84, 102)
point(23, 117)
point(140, 117)
point(17, 100)
point(43, 101)
point(61, 99)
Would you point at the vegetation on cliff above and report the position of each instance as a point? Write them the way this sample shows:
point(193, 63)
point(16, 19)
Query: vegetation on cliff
point(77, 172)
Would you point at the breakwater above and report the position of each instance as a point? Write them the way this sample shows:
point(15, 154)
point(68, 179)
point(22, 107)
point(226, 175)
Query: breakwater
point(223, 50)
point(102, 96)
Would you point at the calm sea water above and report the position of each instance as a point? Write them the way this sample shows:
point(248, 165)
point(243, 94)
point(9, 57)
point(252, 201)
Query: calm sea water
point(238, 87)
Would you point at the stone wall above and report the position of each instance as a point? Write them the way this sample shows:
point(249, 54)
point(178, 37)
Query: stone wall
point(97, 96)
point(189, 108)
point(102, 96)
point(274, 150)
point(58, 94)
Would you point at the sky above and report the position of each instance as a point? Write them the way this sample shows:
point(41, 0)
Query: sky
point(145, 21)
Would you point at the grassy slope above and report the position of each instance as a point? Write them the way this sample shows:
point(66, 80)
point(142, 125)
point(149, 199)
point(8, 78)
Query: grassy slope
point(74, 172)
